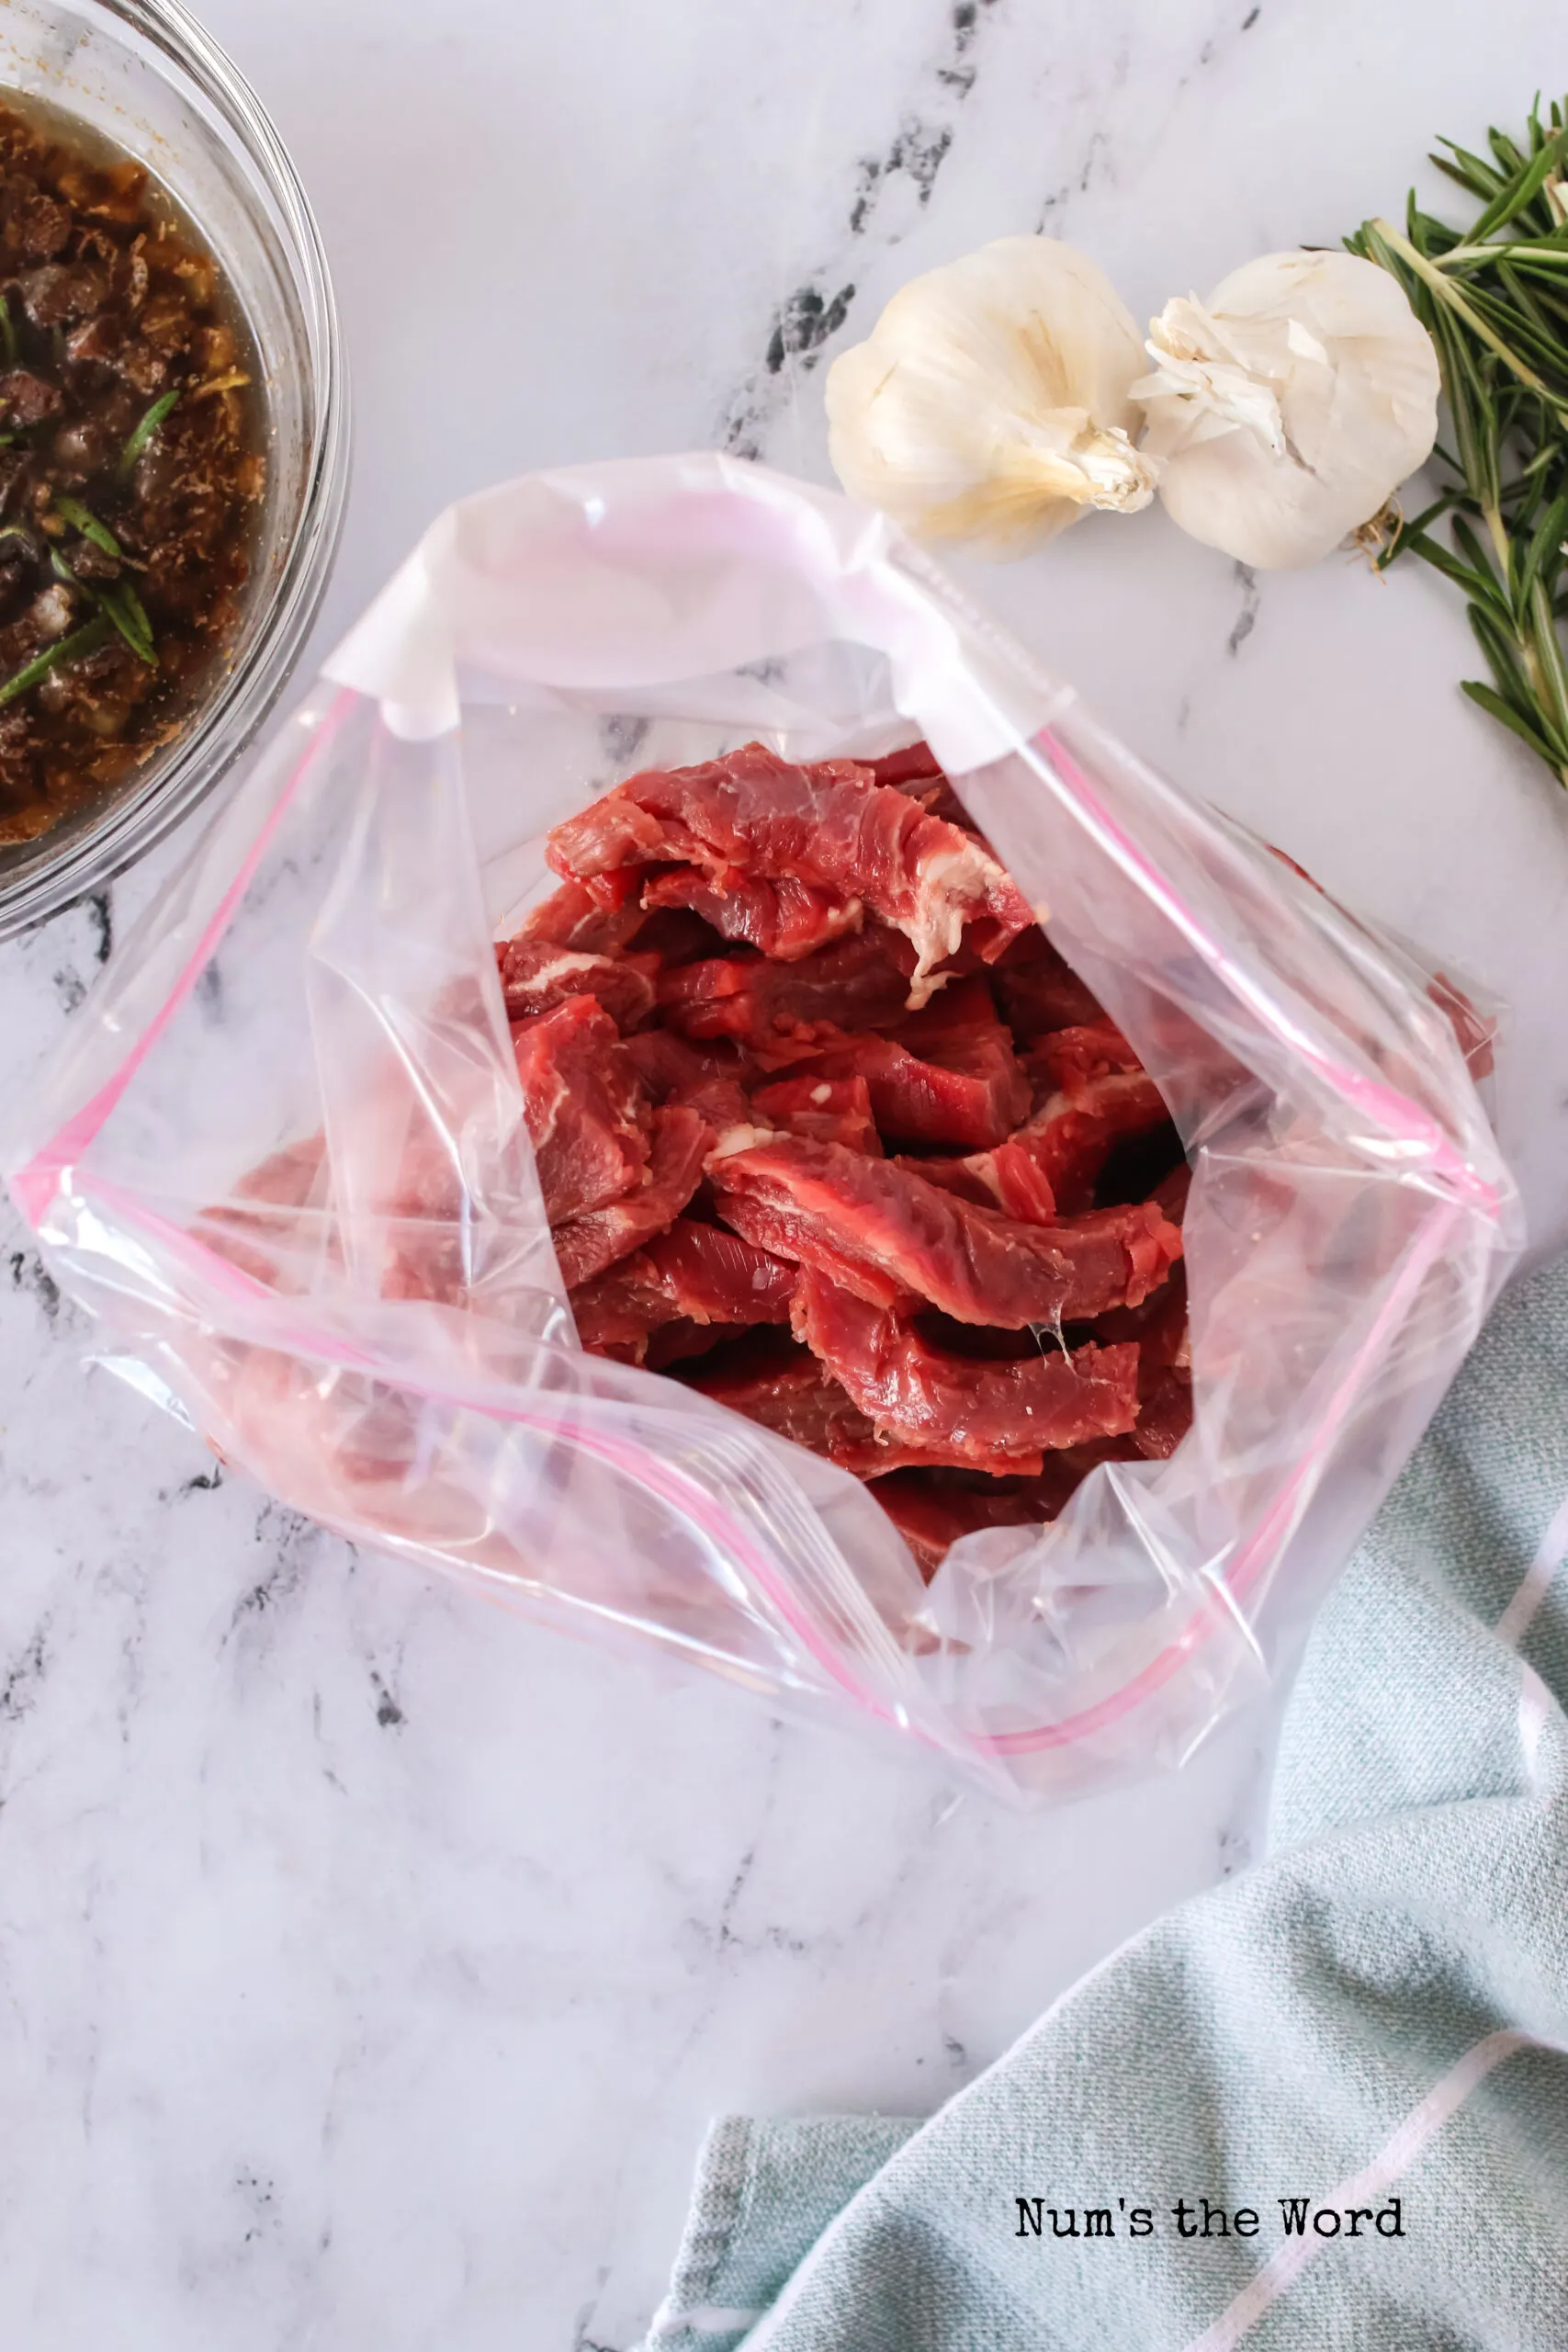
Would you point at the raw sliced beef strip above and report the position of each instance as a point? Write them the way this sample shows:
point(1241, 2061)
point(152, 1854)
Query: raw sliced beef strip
point(831, 825)
point(1071, 1137)
point(859, 983)
point(1008, 1178)
point(916, 765)
point(1165, 1363)
point(889, 1236)
point(1039, 991)
point(931, 1508)
point(932, 1518)
point(823, 1110)
point(695, 1273)
point(781, 1384)
point(1165, 1415)
point(784, 919)
point(915, 1100)
point(537, 975)
point(995, 1416)
point(263, 1208)
point(571, 917)
point(1070, 1058)
point(948, 1076)
point(584, 1104)
point(1094, 1094)
point(710, 1078)
point(585, 1245)
point(1047, 1168)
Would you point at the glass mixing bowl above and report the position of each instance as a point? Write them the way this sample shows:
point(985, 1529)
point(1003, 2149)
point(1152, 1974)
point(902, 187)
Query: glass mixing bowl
point(143, 75)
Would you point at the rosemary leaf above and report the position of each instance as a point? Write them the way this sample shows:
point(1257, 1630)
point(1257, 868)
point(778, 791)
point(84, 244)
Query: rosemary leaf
point(1493, 702)
point(1543, 350)
point(64, 648)
point(1480, 563)
point(1502, 658)
point(1479, 585)
point(125, 608)
point(1546, 538)
point(1468, 170)
point(1476, 445)
point(120, 601)
point(1514, 196)
point(1439, 506)
point(1529, 305)
point(142, 433)
point(1549, 658)
point(81, 520)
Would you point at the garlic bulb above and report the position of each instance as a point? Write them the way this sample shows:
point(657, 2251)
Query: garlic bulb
point(990, 402)
point(1284, 411)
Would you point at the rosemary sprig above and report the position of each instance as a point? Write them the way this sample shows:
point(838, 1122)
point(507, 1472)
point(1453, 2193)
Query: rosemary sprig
point(1495, 299)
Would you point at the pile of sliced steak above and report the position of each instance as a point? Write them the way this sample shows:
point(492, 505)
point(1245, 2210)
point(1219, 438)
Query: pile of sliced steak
point(828, 1130)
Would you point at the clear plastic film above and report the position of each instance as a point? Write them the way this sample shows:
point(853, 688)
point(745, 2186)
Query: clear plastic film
point(283, 1161)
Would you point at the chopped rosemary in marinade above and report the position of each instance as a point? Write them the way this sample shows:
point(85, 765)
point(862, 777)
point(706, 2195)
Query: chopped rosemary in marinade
point(80, 520)
point(64, 648)
point(144, 432)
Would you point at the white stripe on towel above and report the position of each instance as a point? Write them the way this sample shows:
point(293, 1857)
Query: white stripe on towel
point(704, 2319)
point(1514, 1623)
point(1394, 2158)
point(1536, 1704)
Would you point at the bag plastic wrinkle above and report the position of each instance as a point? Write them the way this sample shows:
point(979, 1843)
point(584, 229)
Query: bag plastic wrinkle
point(282, 1159)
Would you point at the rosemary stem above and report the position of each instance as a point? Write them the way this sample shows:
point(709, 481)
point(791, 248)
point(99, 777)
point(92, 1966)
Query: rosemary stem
point(1531, 659)
point(1488, 250)
point(1448, 292)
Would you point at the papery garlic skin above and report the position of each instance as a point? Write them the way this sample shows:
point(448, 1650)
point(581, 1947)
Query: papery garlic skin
point(990, 402)
point(1286, 410)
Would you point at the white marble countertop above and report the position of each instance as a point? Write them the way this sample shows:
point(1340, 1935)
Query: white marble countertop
point(371, 1963)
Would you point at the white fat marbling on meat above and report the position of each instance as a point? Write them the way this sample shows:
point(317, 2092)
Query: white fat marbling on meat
point(568, 963)
point(740, 1137)
point(952, 886)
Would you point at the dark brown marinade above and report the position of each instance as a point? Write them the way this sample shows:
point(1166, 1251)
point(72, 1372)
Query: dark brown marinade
point(131, 472)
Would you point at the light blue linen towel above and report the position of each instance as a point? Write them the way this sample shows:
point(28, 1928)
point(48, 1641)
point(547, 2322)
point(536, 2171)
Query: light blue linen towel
point(1360, 2045)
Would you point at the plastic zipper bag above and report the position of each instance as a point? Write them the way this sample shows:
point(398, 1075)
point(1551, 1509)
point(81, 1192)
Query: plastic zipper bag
point(282, 1158)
